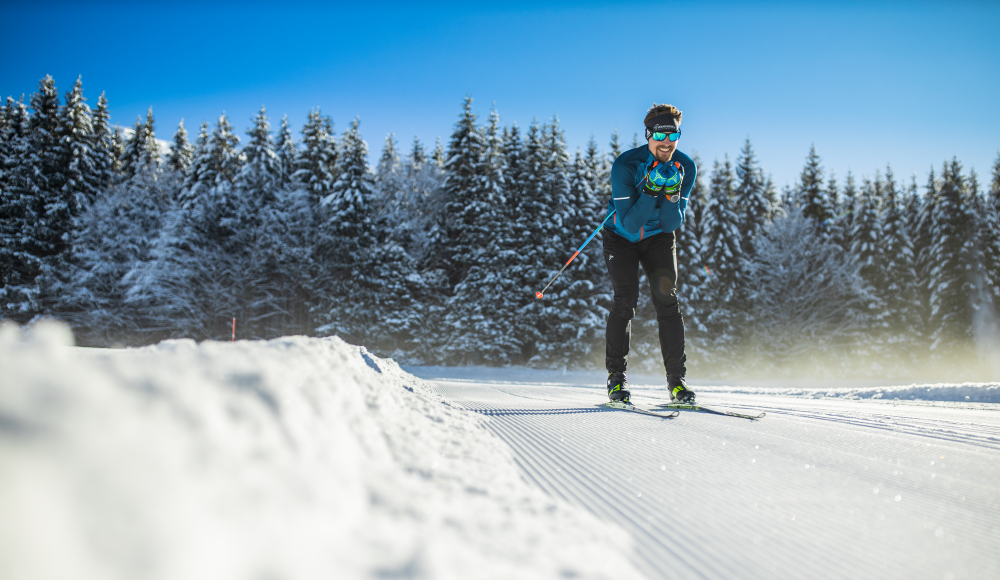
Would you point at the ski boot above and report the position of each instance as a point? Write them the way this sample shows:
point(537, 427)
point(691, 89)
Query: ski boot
point(618, 387)
point(679, 393)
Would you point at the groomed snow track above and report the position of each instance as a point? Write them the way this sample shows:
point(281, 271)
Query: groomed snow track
point(817, 489)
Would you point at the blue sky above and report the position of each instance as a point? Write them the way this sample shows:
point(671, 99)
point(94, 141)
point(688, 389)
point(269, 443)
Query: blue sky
point(909, 84)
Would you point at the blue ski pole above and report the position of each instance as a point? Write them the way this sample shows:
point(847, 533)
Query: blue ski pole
point(577, 253)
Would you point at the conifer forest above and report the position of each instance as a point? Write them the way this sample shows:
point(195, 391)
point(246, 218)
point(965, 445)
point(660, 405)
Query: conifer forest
point(434, 254)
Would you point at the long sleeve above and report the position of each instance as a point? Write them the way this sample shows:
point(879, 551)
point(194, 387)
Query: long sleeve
point(633, 208)
point(672, 214)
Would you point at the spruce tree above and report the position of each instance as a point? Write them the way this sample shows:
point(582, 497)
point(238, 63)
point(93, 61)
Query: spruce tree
point(468, 220)
point(922, 230)
point(899, 293)
point(991, 235)
point(317, 160)
point(810, 193)
point(866, 248)
point(952, 313)
point(438, 156)
point(722, 251)
point(843, 223)
point(19, 261)
point(36, 217)
point(117, 150)
point(691, 268)
point(101, 147)
point(181, 151)
point(286, 151)
point(259, 177)
point(754, 208)
point(76, 139)
point(135, 154)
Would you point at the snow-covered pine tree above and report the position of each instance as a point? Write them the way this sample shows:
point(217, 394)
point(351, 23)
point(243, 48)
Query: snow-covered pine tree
point(389, 178)
point(193, 188)
point(438, 156)
point(117, 150)
point(286, 151)
point(257, 235)
point(365, 279)
point(135, 154)
point(753, 207)
point(691, 269)
point(76, 139)
point(991, 235)
point(315, 165)
point(482, 324)
point(809, 193)
point(615, 147)
point(198, 280)
point(806, 297)
point(530, 228)
point(468, 217)
point(19, 263)
point(899, 293)
point(571, 321)
point(101, 148)
point(722, 250)
point(952, 310)
point(181, 152)
point(35, 224)
point(844, 222)
point(866, 248)
point(985, 327)
point(104, 297)
point(259, 178)
point(922, 230)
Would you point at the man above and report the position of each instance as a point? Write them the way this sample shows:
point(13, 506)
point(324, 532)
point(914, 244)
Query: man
point(649, 190)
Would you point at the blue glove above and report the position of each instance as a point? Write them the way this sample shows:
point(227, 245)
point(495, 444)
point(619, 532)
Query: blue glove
point(664, 178)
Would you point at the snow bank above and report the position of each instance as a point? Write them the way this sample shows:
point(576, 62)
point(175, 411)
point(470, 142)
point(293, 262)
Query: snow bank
point(292, 458)
point(955, 392)
point(812, 389)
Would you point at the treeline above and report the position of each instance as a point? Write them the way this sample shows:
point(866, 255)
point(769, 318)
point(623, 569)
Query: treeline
point(434, 256)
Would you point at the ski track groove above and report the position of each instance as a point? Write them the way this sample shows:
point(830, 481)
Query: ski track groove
point(586, 492)
point(788, 496)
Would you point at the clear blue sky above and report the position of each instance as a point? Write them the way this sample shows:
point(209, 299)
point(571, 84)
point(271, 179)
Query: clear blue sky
point(908, 83)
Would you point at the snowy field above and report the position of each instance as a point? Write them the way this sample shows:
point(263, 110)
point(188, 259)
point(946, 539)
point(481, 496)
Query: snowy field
point(293, 458)
point(311, 458)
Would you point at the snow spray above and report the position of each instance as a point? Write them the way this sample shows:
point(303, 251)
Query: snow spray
point(580, 249)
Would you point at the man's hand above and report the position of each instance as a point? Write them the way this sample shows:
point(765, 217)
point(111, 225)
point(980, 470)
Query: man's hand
point(663, 178)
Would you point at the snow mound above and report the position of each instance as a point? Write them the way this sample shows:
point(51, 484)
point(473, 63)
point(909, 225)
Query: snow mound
point(291, 458)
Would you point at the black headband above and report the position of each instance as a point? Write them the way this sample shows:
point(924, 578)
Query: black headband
point(664, 123)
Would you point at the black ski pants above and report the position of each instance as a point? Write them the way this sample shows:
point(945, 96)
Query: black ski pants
point(658, 256)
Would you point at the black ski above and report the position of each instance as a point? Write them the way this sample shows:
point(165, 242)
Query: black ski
point(699, 409)
point(634, 409)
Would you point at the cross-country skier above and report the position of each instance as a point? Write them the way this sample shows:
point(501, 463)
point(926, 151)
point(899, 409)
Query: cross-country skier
point(649, 190)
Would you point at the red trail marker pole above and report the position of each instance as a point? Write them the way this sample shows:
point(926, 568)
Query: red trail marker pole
point(234, 330)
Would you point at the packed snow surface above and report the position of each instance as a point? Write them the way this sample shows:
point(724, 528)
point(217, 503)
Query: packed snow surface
point(292, 458)
point(827, 485)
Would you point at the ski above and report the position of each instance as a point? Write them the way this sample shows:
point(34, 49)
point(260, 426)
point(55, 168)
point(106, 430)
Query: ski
point(699, 409)
point(634, 409)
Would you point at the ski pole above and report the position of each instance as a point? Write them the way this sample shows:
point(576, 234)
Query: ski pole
point(577, 253)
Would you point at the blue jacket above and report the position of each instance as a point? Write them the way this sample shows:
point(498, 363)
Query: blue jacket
point(640, 216)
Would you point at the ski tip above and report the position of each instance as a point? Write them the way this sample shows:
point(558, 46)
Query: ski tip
point(538, 295)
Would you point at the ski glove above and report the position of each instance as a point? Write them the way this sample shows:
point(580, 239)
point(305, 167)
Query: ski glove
point(664, 178)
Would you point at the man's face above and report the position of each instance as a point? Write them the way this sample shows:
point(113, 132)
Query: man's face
point(662, 150)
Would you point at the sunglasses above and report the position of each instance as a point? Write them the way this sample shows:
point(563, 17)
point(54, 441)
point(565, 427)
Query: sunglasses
point(657, 136)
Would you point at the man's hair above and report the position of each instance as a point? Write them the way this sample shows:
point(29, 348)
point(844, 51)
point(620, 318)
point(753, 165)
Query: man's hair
point(657, 110)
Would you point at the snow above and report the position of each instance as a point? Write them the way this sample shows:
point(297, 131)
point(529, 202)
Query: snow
point(820, 488)
point(290, 458)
